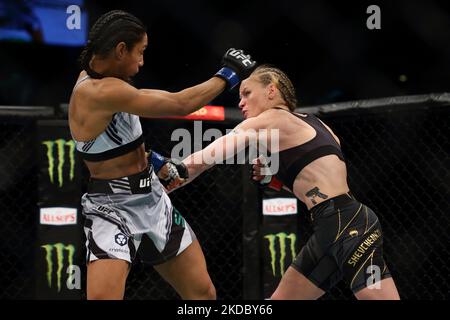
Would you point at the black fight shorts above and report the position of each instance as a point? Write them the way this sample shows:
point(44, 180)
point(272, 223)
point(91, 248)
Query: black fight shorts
point(347, 243)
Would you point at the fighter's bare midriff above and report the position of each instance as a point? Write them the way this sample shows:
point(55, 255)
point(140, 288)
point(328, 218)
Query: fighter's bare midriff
point(125, 165)
point(328, 174)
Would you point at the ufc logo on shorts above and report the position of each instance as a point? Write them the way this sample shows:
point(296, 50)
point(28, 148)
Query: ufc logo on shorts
point(239, 55)
point(143, 183)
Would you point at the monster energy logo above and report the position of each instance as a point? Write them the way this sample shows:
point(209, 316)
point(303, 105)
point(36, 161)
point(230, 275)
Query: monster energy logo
point(59, 249)
point(282, 238)
point(61, 145)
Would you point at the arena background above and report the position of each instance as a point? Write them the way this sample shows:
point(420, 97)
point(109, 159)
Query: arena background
point(397, 148)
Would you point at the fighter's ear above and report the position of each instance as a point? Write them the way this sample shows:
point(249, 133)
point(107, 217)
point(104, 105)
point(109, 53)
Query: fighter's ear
point(271, 90)
point(121, 50)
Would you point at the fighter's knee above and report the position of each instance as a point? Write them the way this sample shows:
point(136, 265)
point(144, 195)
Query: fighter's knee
point(96, 295)
point(208, 292)
point(277, 296)
point(104, 295)
point(211, 293)
point(203, 292)
point(106, 291)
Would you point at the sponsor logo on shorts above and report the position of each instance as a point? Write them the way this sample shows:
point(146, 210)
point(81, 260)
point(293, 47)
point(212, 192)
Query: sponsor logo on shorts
point(58, 256)
point(57, 152)
point(121, 239)
point(178, 218)
point(119, 250)
point(280, 241)
point(58, 216)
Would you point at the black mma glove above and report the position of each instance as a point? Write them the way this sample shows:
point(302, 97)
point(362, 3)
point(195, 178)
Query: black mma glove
point(175, 168)
point(236, 66)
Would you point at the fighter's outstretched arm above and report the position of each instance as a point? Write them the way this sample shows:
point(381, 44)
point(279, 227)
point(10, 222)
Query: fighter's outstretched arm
point(219, 151)
point(223, 148)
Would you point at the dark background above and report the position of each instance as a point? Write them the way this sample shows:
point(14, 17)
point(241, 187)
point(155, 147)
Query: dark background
point(324, 46)
point(398, 161)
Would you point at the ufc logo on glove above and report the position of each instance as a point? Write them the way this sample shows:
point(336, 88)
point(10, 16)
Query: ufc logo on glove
point(236, 66)
point(238, 54)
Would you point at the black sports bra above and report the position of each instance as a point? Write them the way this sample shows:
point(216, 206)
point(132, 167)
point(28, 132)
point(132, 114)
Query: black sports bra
point(294, 159)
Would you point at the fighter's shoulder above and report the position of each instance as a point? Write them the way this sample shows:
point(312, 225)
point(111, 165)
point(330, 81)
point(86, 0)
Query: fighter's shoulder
point(103, 94)
point(252, 123)
point(269, 113)
point(110, 89)
point(95, 86)
point(266, 118)
point(111, 85)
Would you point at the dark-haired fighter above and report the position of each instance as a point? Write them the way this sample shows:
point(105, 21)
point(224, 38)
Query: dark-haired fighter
point(125, 200)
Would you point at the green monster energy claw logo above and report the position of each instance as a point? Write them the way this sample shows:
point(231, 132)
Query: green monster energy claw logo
point(282, 239)
point(61, 145)
point(60, 249)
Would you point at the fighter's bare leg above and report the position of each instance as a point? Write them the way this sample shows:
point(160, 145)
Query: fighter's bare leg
point(188, 275)
point(106, 279)
point(384, 290)
point(295, 286)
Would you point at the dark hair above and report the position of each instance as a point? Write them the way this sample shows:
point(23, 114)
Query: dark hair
point(267, 74)
point(110, 29)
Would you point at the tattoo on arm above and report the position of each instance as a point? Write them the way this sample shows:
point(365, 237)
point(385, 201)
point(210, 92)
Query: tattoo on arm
point(315, 192)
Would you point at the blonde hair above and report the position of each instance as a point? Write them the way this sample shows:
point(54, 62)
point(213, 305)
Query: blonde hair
point(267, 74)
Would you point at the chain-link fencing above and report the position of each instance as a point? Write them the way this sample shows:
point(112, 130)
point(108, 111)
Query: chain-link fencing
point(18, 202)
point(398, 164)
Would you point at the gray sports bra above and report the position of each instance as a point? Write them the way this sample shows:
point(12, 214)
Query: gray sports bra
point(123, 134)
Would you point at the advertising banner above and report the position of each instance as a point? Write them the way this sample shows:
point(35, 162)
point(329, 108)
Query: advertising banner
point(279, 238)
point(59, 246)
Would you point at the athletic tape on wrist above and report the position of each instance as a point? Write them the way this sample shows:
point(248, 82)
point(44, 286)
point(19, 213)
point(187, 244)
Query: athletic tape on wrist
point(229, 75)
point(157, 161)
